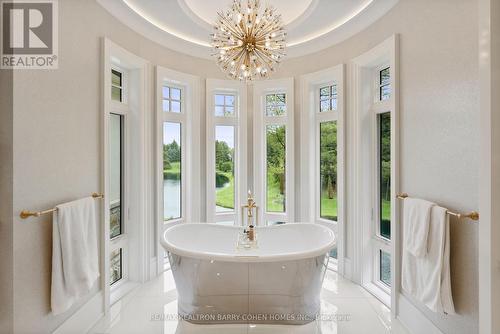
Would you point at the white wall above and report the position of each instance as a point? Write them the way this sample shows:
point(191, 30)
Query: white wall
point(439, 124)
point(6, 184)
point(57, 132)
point(489, 231)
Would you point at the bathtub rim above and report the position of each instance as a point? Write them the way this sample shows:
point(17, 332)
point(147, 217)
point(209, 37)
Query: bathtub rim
point(246, 255)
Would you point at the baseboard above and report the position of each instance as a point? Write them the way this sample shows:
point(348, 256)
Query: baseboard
point(413, 319)
point(83, 319)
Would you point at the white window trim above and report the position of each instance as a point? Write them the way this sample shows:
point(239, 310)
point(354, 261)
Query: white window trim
point(309, 180)
point(260, 121)
point(361, 220)
point(137, 264)
point(189, 118)
point(239, 121)
point(121, 240)
point(125, 78)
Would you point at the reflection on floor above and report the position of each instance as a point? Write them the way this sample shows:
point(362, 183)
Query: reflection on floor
point(152, 308)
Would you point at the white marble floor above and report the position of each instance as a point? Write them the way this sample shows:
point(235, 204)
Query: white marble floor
point(152, 308)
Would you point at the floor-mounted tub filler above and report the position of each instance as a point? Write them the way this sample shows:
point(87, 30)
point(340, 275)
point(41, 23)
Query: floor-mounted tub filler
point(277, 280)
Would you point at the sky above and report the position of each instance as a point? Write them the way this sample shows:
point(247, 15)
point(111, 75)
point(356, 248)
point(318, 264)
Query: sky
point(171, 132)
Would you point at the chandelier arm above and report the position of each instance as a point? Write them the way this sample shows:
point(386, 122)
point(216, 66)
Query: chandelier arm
point(227, 24)
point(266, 59)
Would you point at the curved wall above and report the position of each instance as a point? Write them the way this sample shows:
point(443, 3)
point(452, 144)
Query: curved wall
point(57, 132)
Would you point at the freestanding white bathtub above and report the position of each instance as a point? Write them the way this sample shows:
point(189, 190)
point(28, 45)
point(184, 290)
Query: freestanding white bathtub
point(278, 282)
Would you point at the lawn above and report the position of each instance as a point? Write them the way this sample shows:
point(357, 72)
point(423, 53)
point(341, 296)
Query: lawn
point(275, 200)
point(225, 196)
point(174, 172)
point(328, 207)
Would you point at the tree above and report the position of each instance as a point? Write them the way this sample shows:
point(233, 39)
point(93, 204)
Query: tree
point(171, 153)
point(276, 151)
point(328, 157)
point(223, 156)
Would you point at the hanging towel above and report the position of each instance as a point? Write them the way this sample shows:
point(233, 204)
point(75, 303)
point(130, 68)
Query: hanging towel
point(427, 279)
point(74, 253)
point(417, 214)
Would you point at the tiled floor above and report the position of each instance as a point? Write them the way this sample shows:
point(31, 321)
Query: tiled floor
point(152, 307)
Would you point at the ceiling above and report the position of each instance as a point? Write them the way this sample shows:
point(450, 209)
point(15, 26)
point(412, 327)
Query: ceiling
point(185, 25)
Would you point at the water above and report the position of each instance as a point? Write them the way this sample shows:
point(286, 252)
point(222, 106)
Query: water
point(172, 199)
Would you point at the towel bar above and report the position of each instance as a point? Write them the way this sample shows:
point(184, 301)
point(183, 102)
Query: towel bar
point(473, 215)
point(26, 214)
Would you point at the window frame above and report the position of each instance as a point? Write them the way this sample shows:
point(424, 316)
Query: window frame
point(174, 85)
point(379, 243)
point(261, 121)
point(123, 104)
point(238, 120)
point(182, 119)
point(121, 241)
point(319, 118)
point(330, 97)
point(311, 118)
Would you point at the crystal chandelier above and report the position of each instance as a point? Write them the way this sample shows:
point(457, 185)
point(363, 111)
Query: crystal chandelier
point(248, 43)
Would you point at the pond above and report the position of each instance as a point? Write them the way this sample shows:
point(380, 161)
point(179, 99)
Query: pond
point(172, 199)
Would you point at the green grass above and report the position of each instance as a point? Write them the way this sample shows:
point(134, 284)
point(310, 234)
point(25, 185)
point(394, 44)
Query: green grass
point(174, 172)
point(328, 206)
point(386, 210)
point(275, 200)
point(225, 196)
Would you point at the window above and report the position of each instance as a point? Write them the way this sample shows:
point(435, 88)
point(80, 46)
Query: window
point(384, 178)
point(171, 99)
point(116, 174)
point(385, 268)
point(115, 266)
point(224, 105)
point(322, 179)
point(172, 167)
point(173, 123)
point(117, 194)
point(376, 123)
point(224, 168)
point(276, 104)
point(226, 151)
point(328, 98)
point(326, 162)
point(116, 85)
point(328, 170)
point(384, 84)
point(276, 168)
point(273, 151)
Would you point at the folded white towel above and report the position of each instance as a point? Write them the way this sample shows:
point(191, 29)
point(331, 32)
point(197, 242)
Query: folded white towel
point(74, 253)
point(416, 225)
point(427, 279)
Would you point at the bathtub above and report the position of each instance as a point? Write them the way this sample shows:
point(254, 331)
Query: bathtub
point(277, 282)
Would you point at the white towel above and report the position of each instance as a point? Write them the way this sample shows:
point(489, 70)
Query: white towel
point(74, 253)
point(427, 279)
point(417, 214)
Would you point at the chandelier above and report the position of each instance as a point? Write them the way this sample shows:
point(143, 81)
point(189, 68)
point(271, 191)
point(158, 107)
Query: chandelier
point(248, 43)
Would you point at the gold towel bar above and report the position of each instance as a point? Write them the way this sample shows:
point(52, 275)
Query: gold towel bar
point(474, 215)
point(26, 214)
